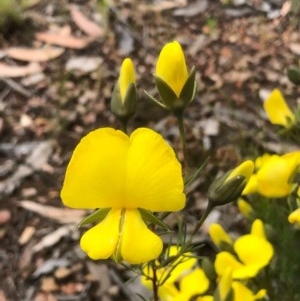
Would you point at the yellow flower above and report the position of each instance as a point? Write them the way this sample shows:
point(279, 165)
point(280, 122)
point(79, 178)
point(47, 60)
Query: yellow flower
point(278, 111)
point(294, 217)
point(192, 280)
point(241, 292)
point(274, 176)
point(219, 235)
point(253, 252)
point(245, 208)
point(126, 77)
point(109, 169)
point(171, 67)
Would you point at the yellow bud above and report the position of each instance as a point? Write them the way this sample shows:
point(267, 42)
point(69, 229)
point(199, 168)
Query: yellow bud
point(127, 77)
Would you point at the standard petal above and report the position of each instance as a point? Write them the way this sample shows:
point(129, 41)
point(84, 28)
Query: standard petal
point(154, 177)
point(101, 241)
point(138, 244)
point(95, 175)
point(254, 250)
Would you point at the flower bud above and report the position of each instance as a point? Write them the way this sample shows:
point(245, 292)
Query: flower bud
point(124, 96)
point(230, 186)
point(175, 85)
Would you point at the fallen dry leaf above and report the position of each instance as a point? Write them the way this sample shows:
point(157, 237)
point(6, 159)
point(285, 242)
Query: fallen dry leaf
point(19, 71)
point(34, 55)
point(63, 40)
point(83, 64)
point(26, 235)
point(54, 237)
point(62, 215)
point(87, 26)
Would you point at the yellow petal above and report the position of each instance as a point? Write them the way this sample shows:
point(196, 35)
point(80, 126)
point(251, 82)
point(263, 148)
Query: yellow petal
point(245, 208)
point(224, 260)
point(294, 217)
point(154, 177)
point(138, 243)
point(127, 77)
point(109, 170)
point(245, 169)
point(101, 241)
point(219, 235)
point(273, 177)
point(254, 251)
point(194, 283)
point(96, 172)
point(241, 292)
point(224, 285)
point(258, 229)
point(278, 111)
point(171, 67)
point(251, 186)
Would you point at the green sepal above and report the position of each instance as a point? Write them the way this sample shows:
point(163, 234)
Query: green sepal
point(157, 102)
point(96, 216)
point(223, 191)
point(166, 93)
point(150, 217)
point(209, 269)
point(294, 75)
point(126, 109)
point(195, 174)
point(188, 91)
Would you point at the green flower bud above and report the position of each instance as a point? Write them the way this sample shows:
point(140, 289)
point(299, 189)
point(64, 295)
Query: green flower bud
point(230, 186)
point(124, 96)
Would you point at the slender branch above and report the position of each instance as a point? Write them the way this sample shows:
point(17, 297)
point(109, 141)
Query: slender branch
point(154, 283)
point(182, 138)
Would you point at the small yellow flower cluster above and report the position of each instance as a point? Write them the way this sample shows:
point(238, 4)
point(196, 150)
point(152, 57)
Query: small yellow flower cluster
point(273, 177)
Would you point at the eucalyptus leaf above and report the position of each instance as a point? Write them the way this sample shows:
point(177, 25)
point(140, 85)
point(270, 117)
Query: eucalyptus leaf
point(96, 216)
point(150, 217)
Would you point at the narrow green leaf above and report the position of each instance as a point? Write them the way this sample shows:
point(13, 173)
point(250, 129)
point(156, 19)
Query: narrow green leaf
point(197, 172)
point(96, 216)
point(150, 217)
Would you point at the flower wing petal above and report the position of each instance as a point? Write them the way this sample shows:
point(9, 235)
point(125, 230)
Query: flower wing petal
point(138, 243)
point(101, 241)
point(154, 177)
point(96, 172)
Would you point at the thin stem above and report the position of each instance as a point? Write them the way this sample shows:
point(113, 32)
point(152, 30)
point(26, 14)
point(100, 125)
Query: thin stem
point(207, 211)
point(124, 123)
point(154, 283)
point(182, 138)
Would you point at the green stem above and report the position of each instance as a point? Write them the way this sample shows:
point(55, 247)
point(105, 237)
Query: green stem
point(124, 123)
point(207, 211)
point(182, 138)
point(154, 283)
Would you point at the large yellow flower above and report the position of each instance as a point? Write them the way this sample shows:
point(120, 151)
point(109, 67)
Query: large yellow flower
point(109, 169)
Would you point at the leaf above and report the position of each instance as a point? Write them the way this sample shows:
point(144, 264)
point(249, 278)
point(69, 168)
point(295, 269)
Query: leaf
point(63, 40)
point(62, 215)
point(96, 216)
point(150, 217)
point(19, 71)
point(87, 26)
point(34, 55)
point(195, 175)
